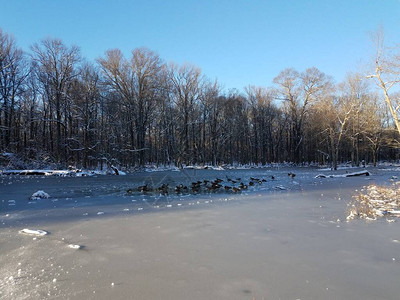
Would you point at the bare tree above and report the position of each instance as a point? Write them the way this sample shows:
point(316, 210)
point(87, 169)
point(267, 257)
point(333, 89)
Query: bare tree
point(138, 82)
point(262, 114)
point(85, 96)
point(186, 84)
point(356, 90)
point(237, 145)
point(387, 74)
point(337, 112)
point(31, 113)
point(298, 91)
point(374, 129)
point(212, 122)
point(13, 72)
point(56, 66)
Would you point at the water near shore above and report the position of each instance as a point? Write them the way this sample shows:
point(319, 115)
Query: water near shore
point(284, 239)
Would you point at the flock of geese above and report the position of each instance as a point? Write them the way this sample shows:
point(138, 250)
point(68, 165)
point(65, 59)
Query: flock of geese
point(229, 185)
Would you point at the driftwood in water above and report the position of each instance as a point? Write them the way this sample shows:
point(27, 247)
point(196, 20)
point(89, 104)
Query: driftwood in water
point(116, 171)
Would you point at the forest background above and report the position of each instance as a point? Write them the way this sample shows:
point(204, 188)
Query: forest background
point(132, 108)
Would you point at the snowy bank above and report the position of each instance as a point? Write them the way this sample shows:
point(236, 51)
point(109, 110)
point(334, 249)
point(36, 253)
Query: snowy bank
point(374, 202)
point(206, 167)
point(49, 172)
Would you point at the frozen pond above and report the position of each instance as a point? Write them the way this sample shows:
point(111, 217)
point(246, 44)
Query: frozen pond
point(282, 239)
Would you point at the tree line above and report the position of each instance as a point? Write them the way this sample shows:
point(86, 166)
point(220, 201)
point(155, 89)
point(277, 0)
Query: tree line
point(56, 107)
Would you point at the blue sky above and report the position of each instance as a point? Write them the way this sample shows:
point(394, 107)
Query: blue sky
point(239, 42)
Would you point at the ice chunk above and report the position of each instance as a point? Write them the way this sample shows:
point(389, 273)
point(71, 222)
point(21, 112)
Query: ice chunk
point(280, 187)
point(39, 195)
point(37, 232)
point(74, 246)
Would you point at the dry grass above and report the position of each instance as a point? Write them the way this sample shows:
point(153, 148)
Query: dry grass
point(374, 202)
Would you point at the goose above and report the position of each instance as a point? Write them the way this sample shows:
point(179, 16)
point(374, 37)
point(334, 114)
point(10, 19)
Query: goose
point(144, 188)
point(242, 186)
point(195, 188)
point(236, 190)
point(231, 180)
point(179, 188)
point(218, 180)
point(213, 187)
point(196, 184)
point(163, 189)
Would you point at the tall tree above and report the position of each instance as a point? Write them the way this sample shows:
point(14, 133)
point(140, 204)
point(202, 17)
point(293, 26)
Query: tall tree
point(85, 95)
point(262, 114)
point(212, 122)
point(356, 90)
point(387, 74)
point(139, 83)
point(298, 91)
point(186, 85)
point(13, 72)
point(57, 68)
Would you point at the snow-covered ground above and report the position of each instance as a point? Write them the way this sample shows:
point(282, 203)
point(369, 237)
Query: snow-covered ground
point(285, 238)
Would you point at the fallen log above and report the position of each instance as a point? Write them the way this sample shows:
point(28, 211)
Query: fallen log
point(366, 173)
point(361, 173)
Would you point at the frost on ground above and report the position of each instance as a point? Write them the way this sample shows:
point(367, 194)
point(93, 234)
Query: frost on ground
point(374, 202)
point(39, 195)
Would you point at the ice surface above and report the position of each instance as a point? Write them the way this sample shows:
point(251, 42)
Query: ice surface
point(263, 243)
